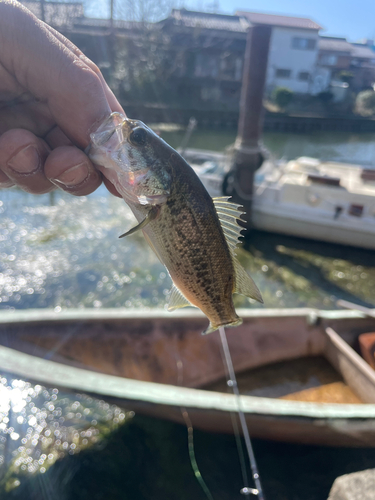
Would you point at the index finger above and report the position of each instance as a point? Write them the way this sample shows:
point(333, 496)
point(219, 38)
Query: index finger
point(73, 91)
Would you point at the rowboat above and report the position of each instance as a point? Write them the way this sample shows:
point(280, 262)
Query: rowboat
point(157, 363)
point(321, 200)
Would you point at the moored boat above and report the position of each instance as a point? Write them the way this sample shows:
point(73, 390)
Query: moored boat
point(156, 363)
point(306, 197)
point(326, 201)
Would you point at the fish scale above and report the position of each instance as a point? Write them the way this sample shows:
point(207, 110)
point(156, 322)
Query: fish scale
point(193, 236)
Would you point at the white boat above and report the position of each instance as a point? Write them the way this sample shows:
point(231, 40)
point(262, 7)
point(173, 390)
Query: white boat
point(326, 201)
point(306, 197)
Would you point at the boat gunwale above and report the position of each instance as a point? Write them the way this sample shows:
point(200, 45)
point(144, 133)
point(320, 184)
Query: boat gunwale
point(118, 314)
point(54, 373)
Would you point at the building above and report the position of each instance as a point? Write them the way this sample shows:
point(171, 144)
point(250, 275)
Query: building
point(209, 50)
point(293, 50)
point(341, 61)
point(362, 67)
point(191, 63)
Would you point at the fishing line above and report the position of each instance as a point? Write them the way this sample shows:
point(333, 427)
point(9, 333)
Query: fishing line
point(233, 417)
point(237, 436)
point(189, 426)
point(232, 381)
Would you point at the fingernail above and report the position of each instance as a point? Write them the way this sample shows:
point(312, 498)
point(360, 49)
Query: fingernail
point(74, 175)
point(25, 161)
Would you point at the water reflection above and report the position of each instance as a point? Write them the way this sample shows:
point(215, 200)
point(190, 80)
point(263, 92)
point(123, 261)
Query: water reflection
point(335, 146)
point(40, 425)
point(69, 255)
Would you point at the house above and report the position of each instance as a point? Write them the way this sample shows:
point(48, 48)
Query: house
point(209, 52)
point(293, 50)
point(362, 66)
point(334, 58)
point(339, 61)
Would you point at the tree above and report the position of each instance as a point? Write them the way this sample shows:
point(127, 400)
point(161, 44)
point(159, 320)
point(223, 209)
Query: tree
point(365, 103)
point(142, 10)
point(282, 96)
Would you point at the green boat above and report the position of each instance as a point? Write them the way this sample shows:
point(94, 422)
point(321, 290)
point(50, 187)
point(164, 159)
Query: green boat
point(299, 372)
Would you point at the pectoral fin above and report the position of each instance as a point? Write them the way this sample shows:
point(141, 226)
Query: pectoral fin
point(152, 214)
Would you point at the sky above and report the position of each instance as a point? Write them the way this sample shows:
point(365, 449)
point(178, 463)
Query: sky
point(352, 19)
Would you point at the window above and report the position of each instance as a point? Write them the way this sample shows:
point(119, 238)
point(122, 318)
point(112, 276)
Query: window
point(304, 76)
point(328, 59)
point(210, 94)
point(206, 65)
point(230, 67)
point(303, 43)
point(283, 73)
point(356, 210)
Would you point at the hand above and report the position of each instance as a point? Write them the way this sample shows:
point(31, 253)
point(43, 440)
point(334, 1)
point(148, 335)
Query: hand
point(51, 98)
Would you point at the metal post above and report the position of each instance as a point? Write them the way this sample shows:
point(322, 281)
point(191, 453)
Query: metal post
point(247, 156)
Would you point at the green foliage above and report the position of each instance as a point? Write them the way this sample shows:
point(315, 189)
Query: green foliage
point(346, 76)
point(325, 96)
point(365, 103)
point(282, 96)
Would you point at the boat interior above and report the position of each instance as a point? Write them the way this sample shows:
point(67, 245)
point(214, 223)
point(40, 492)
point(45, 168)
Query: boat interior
point(300, 355)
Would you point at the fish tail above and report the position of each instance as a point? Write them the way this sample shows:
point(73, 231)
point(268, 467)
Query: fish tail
point(211, 328)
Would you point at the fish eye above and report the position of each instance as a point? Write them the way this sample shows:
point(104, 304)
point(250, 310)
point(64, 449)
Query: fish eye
point(138, 136)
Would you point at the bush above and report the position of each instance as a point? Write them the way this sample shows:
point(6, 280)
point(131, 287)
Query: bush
point(346, 76)
point(365, 103)
point(282, 96)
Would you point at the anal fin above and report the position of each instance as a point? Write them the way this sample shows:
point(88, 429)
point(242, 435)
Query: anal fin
point(177, 300)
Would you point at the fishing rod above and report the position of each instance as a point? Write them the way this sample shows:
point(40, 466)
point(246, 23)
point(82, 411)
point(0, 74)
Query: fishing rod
point(232, 382)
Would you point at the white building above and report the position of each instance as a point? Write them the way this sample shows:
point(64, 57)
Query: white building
point(293, 51)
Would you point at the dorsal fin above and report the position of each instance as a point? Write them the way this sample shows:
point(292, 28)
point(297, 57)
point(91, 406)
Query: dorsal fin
point(228, 214)
point(177, 300)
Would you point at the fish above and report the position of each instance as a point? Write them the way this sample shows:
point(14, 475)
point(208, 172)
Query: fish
point(193, 235)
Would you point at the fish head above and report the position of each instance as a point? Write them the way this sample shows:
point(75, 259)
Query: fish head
point(133, 158)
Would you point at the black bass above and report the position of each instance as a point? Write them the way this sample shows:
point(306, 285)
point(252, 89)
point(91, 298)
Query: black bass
point(193, 235)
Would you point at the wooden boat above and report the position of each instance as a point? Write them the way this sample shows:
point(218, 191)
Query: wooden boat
point(157, 363)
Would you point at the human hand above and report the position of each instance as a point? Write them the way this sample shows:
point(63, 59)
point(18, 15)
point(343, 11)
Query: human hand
point(51, 98)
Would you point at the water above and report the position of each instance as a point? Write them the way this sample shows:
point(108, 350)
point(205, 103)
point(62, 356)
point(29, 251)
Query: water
point(335, 146)
point(69, 255)
point(40, 425)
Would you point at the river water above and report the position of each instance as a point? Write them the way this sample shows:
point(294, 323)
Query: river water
point(61, 251)
point(58, 251)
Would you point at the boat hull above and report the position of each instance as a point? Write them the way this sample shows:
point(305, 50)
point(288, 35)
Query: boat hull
point(169, 361)
point(274, 219)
